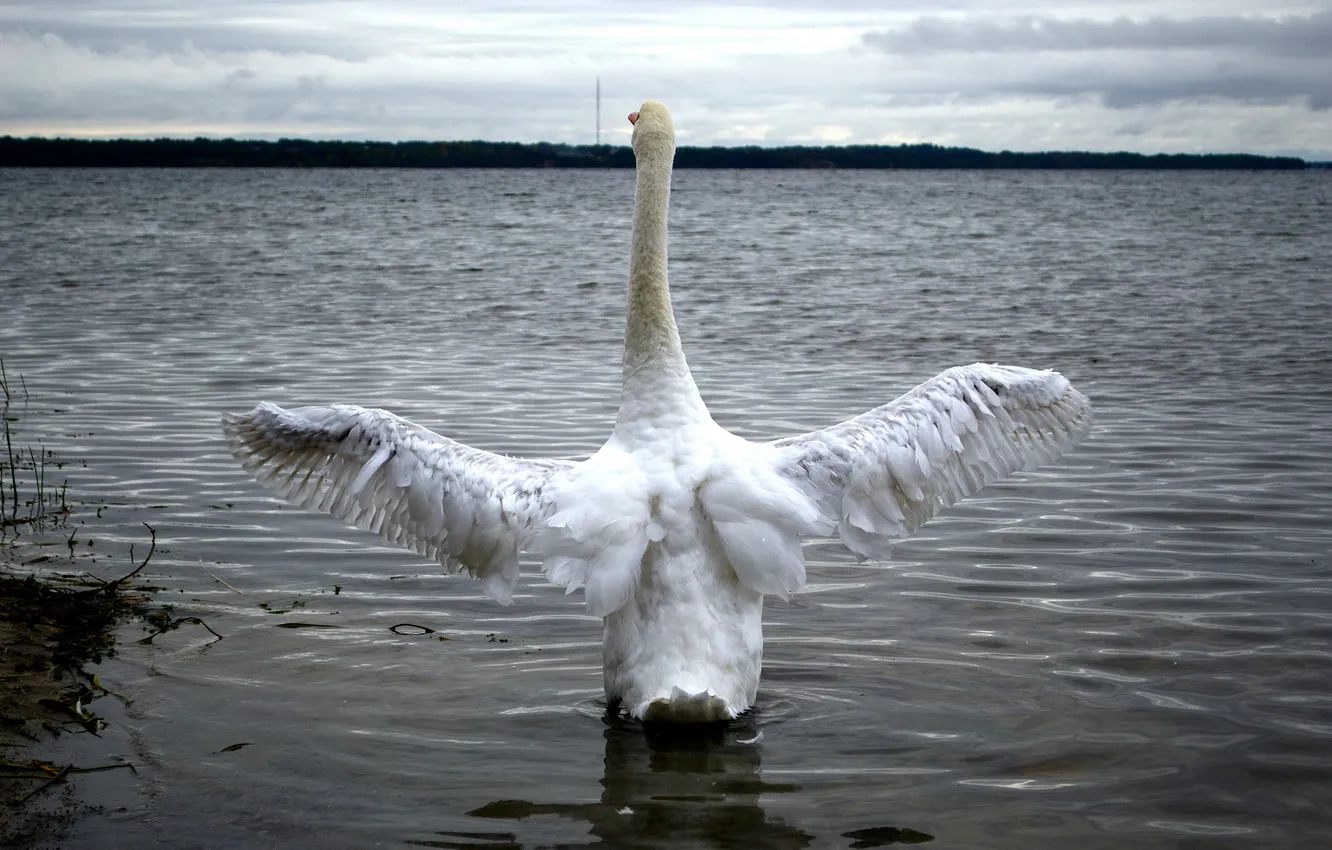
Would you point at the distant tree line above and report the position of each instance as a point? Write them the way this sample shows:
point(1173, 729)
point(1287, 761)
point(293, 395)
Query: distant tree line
point(302, 153)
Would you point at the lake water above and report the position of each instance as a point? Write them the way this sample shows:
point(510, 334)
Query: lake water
point(1130, 648)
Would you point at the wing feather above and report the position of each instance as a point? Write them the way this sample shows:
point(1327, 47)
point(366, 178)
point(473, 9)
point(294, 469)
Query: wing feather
point(880, 475)
point(469, 509)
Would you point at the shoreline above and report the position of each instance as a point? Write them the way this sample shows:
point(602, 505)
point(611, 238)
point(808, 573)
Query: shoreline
point(309, 153)
point(56, 621)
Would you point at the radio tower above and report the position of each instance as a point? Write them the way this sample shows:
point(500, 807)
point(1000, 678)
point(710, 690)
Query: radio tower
point(598, 111)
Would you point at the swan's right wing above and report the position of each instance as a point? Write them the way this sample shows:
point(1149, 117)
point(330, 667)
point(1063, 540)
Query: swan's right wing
point(878, 476)
point(469, 509)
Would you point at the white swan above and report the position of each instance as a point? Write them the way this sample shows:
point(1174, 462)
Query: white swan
point(676, 528)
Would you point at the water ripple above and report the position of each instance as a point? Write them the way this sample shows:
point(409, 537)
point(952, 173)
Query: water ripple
point(1129, 646)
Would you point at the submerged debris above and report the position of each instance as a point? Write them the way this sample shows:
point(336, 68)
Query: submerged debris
point(51, 626)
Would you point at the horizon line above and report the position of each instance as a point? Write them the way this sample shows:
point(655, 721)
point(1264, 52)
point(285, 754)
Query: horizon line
point(141, 139)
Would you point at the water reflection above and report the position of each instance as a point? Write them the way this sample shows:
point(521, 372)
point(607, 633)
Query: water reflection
point(696, 790)
point(666, 788)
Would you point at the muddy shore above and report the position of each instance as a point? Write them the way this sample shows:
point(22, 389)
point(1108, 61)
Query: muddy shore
point(53, 627)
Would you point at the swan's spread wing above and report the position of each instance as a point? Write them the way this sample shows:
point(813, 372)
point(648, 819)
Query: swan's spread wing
point(882, 474)
point(467, 508)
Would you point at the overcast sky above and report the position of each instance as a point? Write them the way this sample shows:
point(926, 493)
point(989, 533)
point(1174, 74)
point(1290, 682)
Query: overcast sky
point(1171, 75)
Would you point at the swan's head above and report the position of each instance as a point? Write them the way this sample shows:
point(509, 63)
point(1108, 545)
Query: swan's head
point(653, 127)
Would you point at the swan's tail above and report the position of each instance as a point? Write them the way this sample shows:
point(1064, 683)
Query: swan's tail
point(681, 707)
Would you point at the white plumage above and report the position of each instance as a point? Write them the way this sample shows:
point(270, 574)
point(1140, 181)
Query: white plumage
point(466, 508)
point(675, 528)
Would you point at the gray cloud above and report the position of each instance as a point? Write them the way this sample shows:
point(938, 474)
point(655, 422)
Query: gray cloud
point(237, 77)
point(1255, 87)
point(1290, 35)
point(1126, 63)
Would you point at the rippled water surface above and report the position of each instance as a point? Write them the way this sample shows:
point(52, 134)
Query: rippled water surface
point(1131, 648)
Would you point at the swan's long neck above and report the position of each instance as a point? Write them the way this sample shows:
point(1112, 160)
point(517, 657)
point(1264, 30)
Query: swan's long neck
point(656, 377)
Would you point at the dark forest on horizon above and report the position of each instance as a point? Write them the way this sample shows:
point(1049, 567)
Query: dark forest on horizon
point(302, 153)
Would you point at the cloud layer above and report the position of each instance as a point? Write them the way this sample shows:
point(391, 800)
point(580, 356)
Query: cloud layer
point(1129, 63)
point(1186, 76)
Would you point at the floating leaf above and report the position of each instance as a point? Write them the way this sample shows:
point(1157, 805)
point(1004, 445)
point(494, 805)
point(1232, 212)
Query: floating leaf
point(234, 747)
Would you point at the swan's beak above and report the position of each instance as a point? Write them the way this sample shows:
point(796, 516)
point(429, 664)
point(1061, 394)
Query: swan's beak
point(633, 117)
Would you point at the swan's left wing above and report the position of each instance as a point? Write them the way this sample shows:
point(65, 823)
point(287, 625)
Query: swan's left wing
point(467, 508)
point(878, 476)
